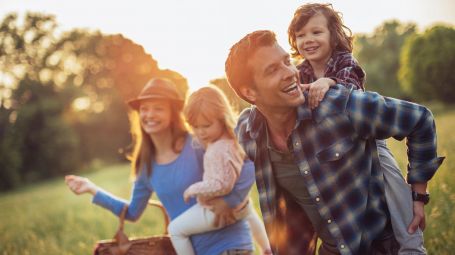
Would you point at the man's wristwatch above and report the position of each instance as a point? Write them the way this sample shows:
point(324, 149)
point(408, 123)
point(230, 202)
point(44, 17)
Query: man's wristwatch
point(424, 198)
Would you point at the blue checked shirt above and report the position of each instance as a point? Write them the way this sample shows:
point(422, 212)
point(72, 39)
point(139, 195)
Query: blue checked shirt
point(335, 150)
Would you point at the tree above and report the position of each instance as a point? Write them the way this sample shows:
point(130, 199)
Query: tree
point(35, 141)
point(379, 53)
point(62, 97)
point(237, 103)
point(427, 65)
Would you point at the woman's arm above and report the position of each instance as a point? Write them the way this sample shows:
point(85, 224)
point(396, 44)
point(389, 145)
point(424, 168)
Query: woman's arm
point(224, 207)
point(242, 186)
point(139, 197)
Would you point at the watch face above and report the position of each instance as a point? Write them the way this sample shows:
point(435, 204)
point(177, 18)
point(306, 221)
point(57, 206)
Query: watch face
point(424, 198)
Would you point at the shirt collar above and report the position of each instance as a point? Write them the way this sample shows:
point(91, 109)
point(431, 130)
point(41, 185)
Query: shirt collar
point(257, 122)
point(306, 69)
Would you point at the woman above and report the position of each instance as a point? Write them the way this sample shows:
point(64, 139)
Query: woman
point(165, 161)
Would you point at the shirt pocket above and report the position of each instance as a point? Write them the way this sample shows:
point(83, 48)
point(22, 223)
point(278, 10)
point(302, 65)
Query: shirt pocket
point(336, 151)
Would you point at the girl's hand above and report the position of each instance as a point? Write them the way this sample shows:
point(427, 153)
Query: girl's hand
point(186, 196)
point(317, 90)
point(80, 185)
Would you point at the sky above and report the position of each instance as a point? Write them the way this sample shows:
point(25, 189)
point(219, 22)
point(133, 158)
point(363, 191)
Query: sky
point(194, 37)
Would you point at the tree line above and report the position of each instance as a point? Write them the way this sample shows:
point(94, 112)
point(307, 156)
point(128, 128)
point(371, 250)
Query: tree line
point(62, 93)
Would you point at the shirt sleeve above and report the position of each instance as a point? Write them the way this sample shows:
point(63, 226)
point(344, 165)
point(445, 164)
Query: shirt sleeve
point(377, 117)
point(138, 202)
point(223, 166)
point(242, 186)
point(349, 73)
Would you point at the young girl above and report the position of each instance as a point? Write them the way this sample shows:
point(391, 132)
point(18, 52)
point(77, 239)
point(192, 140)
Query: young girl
point(317, 35)
point(212, 120)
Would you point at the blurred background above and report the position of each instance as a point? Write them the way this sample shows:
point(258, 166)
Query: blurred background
point(66, 69)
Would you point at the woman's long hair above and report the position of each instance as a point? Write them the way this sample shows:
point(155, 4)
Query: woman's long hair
point(144, 150)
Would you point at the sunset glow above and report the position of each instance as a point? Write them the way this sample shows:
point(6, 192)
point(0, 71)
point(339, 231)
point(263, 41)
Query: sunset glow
point(193, 37)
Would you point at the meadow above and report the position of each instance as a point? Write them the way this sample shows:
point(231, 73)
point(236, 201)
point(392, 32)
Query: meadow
point(47, 218)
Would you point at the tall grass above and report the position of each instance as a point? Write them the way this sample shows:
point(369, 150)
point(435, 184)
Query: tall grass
point(48, 219)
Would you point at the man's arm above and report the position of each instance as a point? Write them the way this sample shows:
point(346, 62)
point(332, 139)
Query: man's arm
point(378, 117)
point(374, 116)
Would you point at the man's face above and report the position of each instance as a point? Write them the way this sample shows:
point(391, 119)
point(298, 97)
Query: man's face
point(275, 79)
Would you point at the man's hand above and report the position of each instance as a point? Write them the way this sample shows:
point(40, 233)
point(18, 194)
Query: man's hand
point(419, 217)
point(419, 212)
point(224, 215)
point(317, 90)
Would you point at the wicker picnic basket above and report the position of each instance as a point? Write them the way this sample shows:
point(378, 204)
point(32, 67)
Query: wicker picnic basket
point(151, 245)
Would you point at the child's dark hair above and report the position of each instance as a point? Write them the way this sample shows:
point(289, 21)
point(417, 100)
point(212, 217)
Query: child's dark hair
point(340, 35)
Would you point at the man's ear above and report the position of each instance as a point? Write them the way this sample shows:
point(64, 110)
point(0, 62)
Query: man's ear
point(249, 94)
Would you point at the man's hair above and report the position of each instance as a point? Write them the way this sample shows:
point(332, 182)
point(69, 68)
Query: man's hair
point(340, 35)
point(237, 70)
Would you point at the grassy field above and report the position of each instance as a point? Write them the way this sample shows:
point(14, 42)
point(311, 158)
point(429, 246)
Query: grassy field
point(48, 219)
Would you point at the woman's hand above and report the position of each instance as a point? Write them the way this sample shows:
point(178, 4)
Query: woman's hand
point(80, 185)
point(224, 215)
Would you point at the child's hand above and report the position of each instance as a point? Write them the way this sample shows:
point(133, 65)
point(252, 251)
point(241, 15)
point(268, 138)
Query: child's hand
point(186, 196)
point(317, 91)
point(80, 185)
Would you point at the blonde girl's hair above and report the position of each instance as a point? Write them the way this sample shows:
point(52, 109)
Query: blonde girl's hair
point(212, 104)
point(144, 151)
point(340, 35)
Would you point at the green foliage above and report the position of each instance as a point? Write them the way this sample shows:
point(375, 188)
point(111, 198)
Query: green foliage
point(378, 54)
point(237, 103)
point(427, 65)
point(46, 144)
point(44, 77)
point(10, 157)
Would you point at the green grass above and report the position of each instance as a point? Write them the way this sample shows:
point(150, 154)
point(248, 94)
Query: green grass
point(48, 219)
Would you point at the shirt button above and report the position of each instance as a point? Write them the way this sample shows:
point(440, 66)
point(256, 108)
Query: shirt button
point(329, 221)
point(342, 246)
point(337, 154)
point(318, 199)
point(305, 172)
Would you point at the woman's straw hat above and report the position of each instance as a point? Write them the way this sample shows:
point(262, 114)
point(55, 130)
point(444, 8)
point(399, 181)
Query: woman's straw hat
point(158, 88)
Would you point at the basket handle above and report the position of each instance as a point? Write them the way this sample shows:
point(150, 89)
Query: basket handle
point(151, 202)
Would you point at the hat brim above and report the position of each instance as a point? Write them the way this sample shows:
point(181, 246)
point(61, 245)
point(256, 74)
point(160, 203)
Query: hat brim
point(135, 103)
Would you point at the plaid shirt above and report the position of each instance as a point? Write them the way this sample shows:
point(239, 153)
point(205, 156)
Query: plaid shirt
point(335, 150)
point(342, 67)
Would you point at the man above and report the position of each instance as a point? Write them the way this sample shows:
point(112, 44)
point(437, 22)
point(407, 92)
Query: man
point(317, 171)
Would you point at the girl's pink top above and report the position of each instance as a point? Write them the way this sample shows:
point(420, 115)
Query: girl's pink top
point(222, 164)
